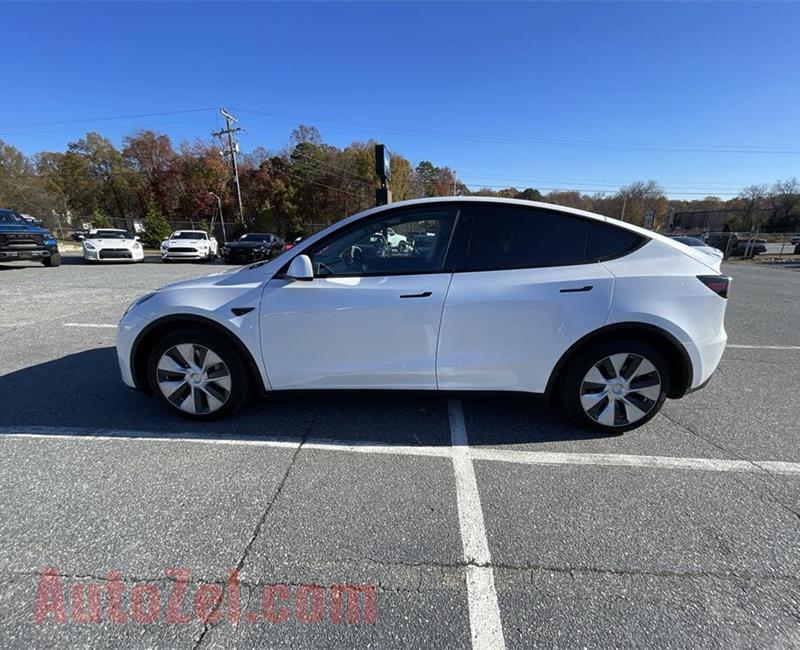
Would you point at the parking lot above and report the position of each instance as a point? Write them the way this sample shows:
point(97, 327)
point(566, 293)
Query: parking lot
point(478, 520)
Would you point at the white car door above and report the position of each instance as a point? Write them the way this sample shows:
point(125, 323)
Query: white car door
point(527, 285)
point(370, 317)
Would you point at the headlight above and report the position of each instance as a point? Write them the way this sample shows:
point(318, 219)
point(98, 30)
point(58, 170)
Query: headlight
point(139, 301)
point(164, 245)
point(137, 245)
point(88, 246)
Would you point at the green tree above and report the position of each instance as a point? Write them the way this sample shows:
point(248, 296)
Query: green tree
point(156, 227)
point(100, 220)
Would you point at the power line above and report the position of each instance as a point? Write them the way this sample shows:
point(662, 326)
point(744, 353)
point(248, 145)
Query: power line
point(306, 180)
point(598, 190)
point(538, 141)
point(106, 119)
point(132, 127)
point(595, 181)
point(336, 167)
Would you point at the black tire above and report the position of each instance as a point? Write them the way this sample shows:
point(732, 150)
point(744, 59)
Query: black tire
point(53, 260)
point(219, 345)
point(572, 382)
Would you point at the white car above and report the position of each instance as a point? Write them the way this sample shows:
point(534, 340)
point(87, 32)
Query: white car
point(605, 317)
point(715, 254)
point(189, 245)
point(111, 245)
point(396, 240)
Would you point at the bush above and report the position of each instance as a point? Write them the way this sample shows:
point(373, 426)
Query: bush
point(156, 227)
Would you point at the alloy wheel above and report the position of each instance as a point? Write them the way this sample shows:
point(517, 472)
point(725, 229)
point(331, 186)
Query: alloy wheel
point(620, 389)
point(193, 378)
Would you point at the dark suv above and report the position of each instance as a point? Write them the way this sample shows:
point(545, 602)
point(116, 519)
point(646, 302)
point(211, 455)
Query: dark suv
point(19, 240)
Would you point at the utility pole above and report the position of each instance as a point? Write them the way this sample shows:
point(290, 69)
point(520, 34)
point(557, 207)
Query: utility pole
point(221, 220)
point(624, 201)
point(233, 145)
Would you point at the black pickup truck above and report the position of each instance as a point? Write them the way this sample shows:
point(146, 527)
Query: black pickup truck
point(19, 240)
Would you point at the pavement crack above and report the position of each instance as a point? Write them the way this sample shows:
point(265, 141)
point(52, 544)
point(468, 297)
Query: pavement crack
point(256, 531)
point(574, 571)
point(761, 474)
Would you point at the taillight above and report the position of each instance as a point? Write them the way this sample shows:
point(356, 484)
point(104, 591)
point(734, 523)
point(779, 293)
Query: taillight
point(719, 284)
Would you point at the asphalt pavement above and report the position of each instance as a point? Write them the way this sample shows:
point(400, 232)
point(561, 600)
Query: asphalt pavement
point(388, 519)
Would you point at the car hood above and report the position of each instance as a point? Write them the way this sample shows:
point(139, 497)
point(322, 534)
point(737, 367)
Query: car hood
point(112, 243)
point(247, 244)
point(229, 278)
point(187, 242)
point(23, 228)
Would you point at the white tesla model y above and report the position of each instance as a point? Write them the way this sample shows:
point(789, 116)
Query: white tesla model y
point(498, 295)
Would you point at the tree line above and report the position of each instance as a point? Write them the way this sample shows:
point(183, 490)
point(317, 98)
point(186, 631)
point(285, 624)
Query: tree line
point(301, 188)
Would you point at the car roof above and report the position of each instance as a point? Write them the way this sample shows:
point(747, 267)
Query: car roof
point(675, 245)
point(95, 230)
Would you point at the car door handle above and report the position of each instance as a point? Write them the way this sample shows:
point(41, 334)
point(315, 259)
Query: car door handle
point(424, 294)
point(588, 287)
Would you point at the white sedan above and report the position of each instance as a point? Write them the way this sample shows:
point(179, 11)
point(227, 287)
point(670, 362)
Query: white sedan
point(189, 245)
point(111, 245)
point(606, 318)
point(715, 254)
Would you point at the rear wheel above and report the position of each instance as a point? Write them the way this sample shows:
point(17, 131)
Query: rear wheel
point(616, 385)
point(198, 374)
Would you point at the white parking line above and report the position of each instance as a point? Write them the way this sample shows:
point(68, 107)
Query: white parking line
point(484, 612)
point(475, 453)
point(95, 325)
point(628, 460)
point(763, 347)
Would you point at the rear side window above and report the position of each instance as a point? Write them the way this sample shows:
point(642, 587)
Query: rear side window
point(607, 241)
point(494, 236)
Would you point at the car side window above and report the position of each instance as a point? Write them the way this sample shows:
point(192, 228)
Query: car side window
point(493, 237)
point(402, 242)
point(607, 241)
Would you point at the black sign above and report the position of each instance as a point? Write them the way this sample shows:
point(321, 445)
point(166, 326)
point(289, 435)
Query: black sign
point(383, 163)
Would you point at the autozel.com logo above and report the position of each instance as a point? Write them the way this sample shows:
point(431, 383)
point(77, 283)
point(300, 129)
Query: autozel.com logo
point(178, 600)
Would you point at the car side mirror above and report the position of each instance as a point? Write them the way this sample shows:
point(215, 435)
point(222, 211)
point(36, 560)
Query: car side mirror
point(137, 238)
point(300, 268)
point(81, 237)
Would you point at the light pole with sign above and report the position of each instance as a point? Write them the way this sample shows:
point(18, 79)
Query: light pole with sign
point(383, 168)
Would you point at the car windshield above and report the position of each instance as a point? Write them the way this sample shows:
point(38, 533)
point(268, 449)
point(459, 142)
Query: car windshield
point(254, 236)
point(690, 241)
point(111, 234)
point(189, 234)
point(9, 218)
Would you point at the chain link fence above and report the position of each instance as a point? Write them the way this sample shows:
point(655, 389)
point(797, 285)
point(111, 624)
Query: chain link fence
point(747, 245)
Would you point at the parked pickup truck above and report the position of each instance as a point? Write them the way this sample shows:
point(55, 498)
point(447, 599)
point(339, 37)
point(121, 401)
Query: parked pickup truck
point(20, 240)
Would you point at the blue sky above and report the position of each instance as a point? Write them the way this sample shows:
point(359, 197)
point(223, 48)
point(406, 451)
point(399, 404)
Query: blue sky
point(699, 96)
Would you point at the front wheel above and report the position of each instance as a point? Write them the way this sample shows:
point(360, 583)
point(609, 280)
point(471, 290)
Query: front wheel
point(198, 374)
point(615, 386)
point(53, 260)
